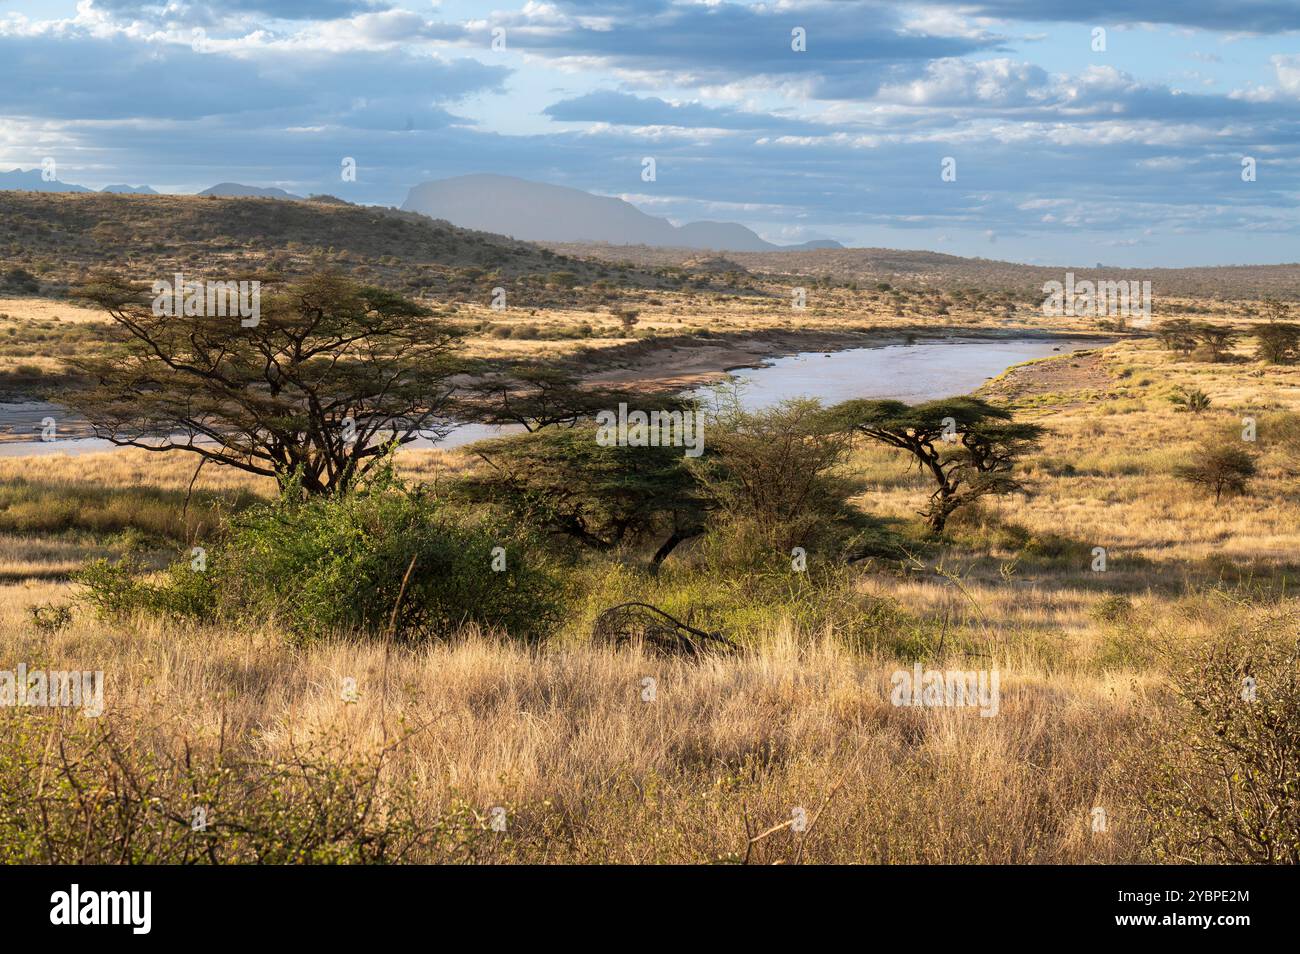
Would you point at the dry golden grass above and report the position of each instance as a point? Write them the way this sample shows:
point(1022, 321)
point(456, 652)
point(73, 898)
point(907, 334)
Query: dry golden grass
point(49, 309)
point(129, 467)
point(588, 771)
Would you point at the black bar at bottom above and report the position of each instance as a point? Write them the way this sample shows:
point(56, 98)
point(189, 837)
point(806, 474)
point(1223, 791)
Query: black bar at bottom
point(348, 905)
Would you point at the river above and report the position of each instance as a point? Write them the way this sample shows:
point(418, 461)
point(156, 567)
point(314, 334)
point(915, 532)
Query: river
point(906, 372)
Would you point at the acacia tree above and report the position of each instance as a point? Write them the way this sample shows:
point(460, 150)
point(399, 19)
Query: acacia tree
point(564, 481)
point(1217, 340)
point(1219, 466)
point(968, 446)
point(628, 318)
point(330, 377)
point(1275, 310)
point(1277, 342)
point(1177, 334)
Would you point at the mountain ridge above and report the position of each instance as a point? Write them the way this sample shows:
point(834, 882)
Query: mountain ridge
point(31, 180)
point(237, 190)
point(542, 212)
point(123, 189)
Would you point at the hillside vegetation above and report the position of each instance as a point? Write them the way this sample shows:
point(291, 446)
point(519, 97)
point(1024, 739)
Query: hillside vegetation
point(920, 269)
point(58, 239)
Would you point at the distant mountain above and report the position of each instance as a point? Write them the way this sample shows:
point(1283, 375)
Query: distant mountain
point(31, 181)
point(539, 212)
point(129, 190)
point(236, 190)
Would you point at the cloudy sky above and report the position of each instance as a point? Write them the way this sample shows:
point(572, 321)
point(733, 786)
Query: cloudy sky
point(1064, 153)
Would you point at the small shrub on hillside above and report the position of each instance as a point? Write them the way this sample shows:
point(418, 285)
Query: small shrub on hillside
point(1114, 608)
point(20, 280)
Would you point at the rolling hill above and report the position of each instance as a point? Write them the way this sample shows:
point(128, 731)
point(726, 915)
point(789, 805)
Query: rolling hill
point(922, 269)
point(58, 239)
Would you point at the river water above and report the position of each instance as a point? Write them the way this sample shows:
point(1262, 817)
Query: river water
point(906, 372)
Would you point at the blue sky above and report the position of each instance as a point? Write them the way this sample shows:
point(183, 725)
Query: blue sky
point(1064, 154)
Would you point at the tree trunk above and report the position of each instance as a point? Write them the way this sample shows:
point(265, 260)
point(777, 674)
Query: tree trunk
point(677, 537)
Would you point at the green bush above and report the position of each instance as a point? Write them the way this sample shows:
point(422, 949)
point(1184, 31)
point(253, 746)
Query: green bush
point(328, 565)
point(50, 617)
point(336, 564)
point(122, 589)
point(753, 603)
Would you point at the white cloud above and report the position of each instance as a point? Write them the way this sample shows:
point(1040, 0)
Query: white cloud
point(953, 81)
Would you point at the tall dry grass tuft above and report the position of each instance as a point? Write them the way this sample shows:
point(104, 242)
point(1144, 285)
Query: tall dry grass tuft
point(590, 760)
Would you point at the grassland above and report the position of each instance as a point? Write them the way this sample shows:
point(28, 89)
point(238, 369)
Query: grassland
point(561, 738)
point(1100, 670)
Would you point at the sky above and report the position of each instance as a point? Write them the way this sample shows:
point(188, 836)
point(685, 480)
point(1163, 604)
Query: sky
point(1065, 145)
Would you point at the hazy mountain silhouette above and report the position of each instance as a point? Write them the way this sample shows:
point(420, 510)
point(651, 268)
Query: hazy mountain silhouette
point(30, 180)
point(236, 189)
point(539, 212)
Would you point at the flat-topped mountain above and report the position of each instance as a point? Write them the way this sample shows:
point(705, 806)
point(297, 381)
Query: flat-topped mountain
point(540, 212)
point(230, 190)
